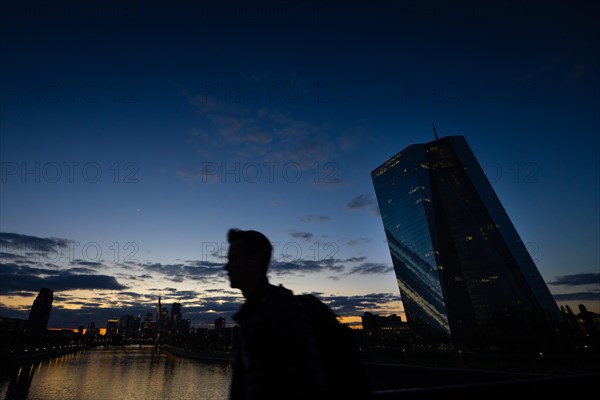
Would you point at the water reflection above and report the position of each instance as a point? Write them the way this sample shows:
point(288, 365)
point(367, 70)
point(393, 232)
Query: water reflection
point(127, 373)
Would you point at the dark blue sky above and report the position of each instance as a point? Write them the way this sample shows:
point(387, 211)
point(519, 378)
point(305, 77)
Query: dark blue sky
point(127, 115)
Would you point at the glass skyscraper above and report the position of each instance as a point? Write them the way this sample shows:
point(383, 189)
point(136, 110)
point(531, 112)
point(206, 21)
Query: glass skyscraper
point(40, 312)
point(462, 269)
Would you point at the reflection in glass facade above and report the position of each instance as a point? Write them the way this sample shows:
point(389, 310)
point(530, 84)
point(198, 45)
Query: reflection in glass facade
point(461, 266)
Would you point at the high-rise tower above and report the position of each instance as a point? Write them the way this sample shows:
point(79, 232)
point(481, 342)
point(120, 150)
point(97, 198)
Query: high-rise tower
point(461, 267)
point(40, 312)
point(162, 318)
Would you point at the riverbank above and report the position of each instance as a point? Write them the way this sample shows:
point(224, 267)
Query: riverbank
point(41, 353)
point(198, 355)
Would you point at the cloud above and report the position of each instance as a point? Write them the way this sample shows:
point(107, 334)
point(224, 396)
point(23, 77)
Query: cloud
point(186, 295)
point(234, 123)
point(23, 293)
point(578, 296)
point(10, 256)
point(336, 265)
point(251, 131)
point(61, 296)
point(18, 242)
point(33, 250)
point(132, 294)
point(16, 278)
point(197, 270)
point(370, 269)
point(359, 304)
point(87, 263)
point(221, 291)
point(577, 280)
point(353, 242)
point(355, 259)
point(301, 235)
point(80, 270)
point(315, 218)
point(361, 201)
point(167, 289)
point(304, 149)
point(129, 276)
point(304, 266)
point(8, 268)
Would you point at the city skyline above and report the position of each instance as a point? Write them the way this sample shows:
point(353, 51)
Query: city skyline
point(128, 150)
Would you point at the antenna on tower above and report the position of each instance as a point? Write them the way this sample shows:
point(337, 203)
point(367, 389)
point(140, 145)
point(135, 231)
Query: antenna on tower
point(434, 131)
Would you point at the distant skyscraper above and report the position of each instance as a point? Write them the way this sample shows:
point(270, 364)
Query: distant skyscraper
point(175, 327)
point(176, 314)
point(162, 318)
point(112, 327)
point(40, 312)
point(91, 331)
point(461, 267)
point(129, 326)
point(149, 327)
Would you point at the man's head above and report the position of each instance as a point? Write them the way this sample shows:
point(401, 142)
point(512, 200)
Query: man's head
point(248, 259)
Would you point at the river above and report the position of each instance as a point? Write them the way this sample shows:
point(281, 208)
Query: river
point(118, 373)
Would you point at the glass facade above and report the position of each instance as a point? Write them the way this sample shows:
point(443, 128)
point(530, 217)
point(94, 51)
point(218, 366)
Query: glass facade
point(461, 267)
point(404, 198)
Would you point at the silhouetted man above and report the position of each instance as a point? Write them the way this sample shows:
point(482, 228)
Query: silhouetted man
point(277, 357)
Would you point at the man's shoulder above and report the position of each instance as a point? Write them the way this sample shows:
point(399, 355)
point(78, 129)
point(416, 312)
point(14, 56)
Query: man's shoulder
point(279, 290)
point(271, 297)
point(279, 296)
point(276, 305)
